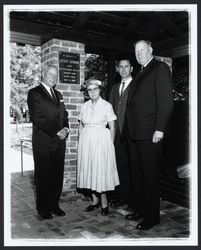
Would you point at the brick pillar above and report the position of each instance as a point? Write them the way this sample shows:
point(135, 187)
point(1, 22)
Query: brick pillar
point(73, 99)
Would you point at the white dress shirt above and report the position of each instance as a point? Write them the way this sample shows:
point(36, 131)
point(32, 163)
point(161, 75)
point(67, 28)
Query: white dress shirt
point(127, 82)
point(47, 88)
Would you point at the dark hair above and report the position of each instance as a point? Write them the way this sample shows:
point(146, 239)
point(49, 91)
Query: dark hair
point(124, 59)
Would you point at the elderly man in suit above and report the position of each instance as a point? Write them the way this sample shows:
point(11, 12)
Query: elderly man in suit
point(118, 99)
point(149, 108)
point(50, 129)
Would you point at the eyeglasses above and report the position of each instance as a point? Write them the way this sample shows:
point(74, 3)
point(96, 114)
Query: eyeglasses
point(92, 90)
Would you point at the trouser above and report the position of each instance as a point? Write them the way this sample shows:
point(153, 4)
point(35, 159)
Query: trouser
point(123, 190)
point(49, 170)
point(144, 159)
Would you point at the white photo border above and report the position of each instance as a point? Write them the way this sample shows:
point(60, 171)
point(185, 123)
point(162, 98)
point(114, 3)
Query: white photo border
point(193, 52)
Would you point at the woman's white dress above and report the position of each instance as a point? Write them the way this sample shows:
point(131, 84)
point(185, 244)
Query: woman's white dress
point(97, 168)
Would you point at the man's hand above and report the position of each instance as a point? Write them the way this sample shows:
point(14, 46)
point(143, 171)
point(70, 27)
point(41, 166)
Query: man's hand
point(157, 136)
point(62, 134)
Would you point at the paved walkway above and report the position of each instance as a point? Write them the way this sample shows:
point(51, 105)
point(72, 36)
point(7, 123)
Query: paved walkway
point(77, 225)
point(28, 163)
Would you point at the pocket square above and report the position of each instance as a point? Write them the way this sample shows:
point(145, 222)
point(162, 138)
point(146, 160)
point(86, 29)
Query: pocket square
point(61, 100)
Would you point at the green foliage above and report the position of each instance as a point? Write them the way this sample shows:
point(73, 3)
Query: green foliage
point(25, 71)
point(96, 67)
point(180, 68)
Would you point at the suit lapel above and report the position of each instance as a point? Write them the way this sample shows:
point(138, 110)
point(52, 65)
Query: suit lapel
point(118, 86)
point(117, 89)
point(48, 94)
point(132, 88)
point(128, 87)
point(57, 96)
point(138, 77)
point(148, 67)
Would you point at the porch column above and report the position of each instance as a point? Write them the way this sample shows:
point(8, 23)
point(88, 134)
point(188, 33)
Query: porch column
point(69, 57)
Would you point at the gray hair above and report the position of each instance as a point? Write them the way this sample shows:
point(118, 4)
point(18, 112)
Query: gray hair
point(143, 41)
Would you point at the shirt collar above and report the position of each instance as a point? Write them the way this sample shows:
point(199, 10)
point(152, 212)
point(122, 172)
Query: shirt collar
point(147, 62)
point(99, 101)
point(127, 81)
point(46, 87)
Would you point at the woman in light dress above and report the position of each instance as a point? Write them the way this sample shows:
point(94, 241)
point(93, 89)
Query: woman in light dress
point(97, 169)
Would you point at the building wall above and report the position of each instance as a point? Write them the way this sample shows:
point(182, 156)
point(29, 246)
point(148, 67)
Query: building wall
point(73, 99)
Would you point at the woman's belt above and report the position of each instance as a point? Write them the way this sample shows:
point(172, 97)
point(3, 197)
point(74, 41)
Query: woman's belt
point(94, 126)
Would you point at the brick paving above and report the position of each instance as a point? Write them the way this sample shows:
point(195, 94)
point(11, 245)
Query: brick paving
point(77, 224)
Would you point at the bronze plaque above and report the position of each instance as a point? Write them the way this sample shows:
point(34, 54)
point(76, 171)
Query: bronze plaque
point(69, 67)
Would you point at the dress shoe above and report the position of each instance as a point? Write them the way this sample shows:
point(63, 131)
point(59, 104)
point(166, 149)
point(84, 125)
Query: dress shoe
point(45, 215)
point(145, 226)
point(58, 211)
point(92, 207)
point(104, 211)
point(133, 216)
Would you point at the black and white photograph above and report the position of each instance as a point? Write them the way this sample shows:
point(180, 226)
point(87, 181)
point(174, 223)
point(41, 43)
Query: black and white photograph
point(100, 124)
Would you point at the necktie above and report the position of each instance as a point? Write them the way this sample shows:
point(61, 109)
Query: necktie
point(53, 94)
point(122, 88)
point(142, 68)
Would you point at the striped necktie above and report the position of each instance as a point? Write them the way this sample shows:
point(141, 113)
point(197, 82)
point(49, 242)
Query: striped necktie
point(122, 88)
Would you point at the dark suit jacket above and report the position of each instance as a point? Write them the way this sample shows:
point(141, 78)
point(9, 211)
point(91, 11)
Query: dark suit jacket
point(119, 103)
point(48, 117)
point(150, 101)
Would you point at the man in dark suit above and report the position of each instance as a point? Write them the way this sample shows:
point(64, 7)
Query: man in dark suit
point(118, 99)
point(149, 108)
point(50, 129)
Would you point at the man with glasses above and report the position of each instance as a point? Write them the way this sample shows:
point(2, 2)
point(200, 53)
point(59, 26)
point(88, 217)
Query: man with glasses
point(50, 129)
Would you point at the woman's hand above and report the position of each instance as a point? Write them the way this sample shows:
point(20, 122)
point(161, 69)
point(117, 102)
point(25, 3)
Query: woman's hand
point(80, 129)
point(112, 129)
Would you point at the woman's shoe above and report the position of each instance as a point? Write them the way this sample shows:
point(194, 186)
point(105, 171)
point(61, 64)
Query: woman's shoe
point(92, 207)
point(105, 211)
